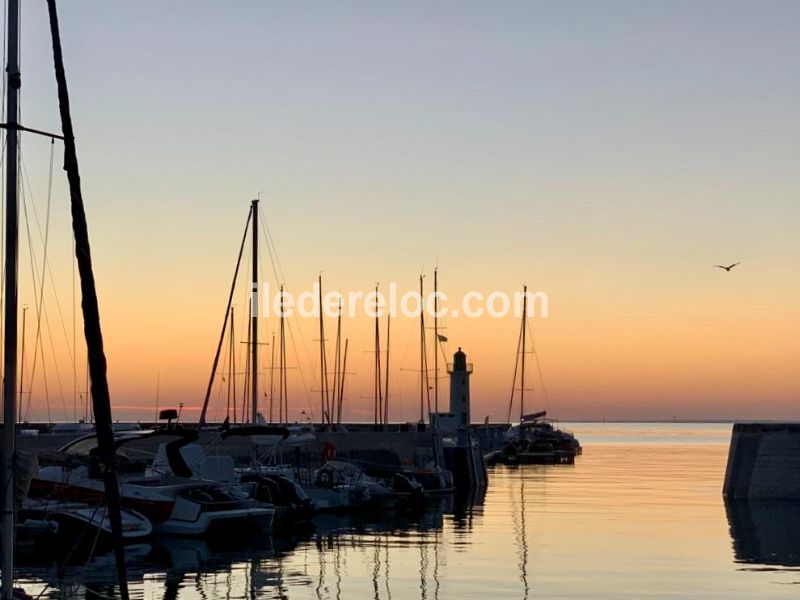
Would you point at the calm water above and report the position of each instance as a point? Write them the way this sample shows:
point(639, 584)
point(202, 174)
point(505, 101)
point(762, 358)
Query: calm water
point(640, 515)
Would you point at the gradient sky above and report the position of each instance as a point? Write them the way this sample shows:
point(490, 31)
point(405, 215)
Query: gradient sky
point(607, 153)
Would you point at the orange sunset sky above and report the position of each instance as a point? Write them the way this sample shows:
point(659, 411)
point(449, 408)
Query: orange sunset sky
point(607, 157)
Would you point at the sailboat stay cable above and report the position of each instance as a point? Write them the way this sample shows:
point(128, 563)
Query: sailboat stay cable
point(46, 271)
point(225, 322)
point(539, 369)
point(106, 456)
point(37, 345)
point(41, 277)
point(277, 270)
point(514, 378)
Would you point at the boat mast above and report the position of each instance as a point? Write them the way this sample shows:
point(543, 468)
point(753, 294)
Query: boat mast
point(522, 371)
point(233, 370)
point(341, 385)
point(323, 363)
point(272, 379)
point(436, 340)
point(378, 405)
point(337, 363)
point(254, 318)
point(245, 391)
point(22, 373)
point(283, 395)
point(424, 382)
point(202, 420)
point(421, 354)
point(10, 316)
point(106, 456)
point(386, 388)
point(230, 371)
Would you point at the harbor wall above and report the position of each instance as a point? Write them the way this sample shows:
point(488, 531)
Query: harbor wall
point(763, 461)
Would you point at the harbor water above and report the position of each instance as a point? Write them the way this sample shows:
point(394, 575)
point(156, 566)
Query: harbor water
point(639, 515)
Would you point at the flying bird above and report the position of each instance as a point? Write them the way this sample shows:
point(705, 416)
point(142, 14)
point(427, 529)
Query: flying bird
point(729, 267)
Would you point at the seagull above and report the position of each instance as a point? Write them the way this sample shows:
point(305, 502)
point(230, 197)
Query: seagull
point(728, 268)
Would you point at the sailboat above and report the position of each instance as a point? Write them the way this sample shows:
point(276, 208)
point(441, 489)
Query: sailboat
point(535, 439)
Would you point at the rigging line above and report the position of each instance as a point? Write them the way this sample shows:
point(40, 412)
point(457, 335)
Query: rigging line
point(539, 369)
point(262, 393)
point(55, 365)
point(41, 309)
point(224, 322)
point(45, 245)
point(271, 248)
point(44, 239)
point(37, 343)
point(514, 380)
point(299, 367)
point(277, 270)
point(247, 322)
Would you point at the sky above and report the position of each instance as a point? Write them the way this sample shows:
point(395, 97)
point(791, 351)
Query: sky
point(606, 153)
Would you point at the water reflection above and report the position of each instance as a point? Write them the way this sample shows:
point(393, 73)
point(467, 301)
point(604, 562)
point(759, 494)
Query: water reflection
point(268, 567)
point(631, 519)
point(765, 532)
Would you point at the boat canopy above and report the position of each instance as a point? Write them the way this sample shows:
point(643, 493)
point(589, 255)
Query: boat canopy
point(533, 416)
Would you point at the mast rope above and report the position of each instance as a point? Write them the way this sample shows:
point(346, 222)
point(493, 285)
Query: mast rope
point(42, 275)
point(277, 270)
point(539, 369)
point(224, 322)
point(37, 347)
point(514, 380)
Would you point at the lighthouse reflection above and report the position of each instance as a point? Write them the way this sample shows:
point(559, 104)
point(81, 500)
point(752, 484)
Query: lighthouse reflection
point(765, 532)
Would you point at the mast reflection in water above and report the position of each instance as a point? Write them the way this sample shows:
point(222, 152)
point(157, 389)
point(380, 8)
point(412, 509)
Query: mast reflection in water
point(320, 558)
point(640, 515)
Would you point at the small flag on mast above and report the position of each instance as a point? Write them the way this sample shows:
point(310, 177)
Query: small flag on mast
point(441, 337)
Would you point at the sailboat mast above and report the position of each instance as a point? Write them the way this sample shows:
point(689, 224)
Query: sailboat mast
point(230, 373)
point(284, 406)
point(522, 371)
point(386, 377)
point(421, 353)
point(378, 399)
point(272, 379)
point(245, 393)
point(337, 363)
point(10, 316)
point(233, 368)
point(323, 363)
point(22, 373)
point(254, 318)
point(93, 333)
point(341, 385)
point(436, 340)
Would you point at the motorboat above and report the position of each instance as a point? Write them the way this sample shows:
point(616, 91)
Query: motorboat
point(45, 524)
point(165, 476)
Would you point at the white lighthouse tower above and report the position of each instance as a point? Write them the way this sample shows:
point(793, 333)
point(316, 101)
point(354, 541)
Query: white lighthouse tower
point(459, 415)
point(460, 370)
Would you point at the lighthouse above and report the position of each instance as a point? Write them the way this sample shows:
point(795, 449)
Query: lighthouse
point(458, 415)
point(459, 370)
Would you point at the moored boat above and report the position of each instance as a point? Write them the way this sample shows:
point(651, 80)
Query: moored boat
point(163, 475)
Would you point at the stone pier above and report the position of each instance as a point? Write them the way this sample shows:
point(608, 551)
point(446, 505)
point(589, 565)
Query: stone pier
point(764, 461)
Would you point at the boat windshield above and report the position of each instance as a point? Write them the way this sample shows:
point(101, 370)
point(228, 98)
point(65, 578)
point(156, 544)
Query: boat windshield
point(82, 447)
point(135, 448)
